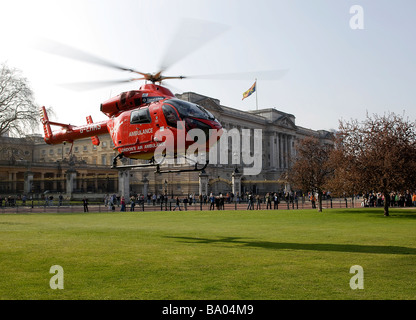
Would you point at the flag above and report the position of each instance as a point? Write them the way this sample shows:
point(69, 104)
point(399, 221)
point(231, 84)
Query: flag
point(249, 91)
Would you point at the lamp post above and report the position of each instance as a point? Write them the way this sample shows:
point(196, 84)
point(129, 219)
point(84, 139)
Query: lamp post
point(166, 195)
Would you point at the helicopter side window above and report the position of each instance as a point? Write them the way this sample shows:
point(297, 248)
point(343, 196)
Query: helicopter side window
point(171, 116)
point(140, 116)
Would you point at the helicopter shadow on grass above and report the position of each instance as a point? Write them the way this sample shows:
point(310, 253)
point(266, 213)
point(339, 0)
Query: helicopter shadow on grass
point(330, 247)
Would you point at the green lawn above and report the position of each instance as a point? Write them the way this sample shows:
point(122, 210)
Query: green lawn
point(298, 254)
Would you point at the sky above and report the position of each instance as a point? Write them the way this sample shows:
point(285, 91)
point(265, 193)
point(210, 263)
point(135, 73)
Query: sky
point(333, 71)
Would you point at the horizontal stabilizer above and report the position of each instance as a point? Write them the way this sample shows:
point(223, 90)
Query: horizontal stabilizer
point(95, 139)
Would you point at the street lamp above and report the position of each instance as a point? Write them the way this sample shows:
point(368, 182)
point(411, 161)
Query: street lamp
point(165, 198)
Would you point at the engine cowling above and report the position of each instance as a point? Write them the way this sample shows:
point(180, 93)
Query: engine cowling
point(122, 102)
point(147, 94)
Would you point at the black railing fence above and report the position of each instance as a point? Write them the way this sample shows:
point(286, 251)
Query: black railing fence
point(170, 204)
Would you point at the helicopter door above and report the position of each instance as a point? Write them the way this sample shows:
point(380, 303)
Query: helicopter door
point(141, 130)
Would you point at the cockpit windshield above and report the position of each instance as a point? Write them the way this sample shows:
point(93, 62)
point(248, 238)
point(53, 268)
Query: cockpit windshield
point(188, 109)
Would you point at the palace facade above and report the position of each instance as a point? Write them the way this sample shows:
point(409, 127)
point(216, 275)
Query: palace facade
point(30, 166)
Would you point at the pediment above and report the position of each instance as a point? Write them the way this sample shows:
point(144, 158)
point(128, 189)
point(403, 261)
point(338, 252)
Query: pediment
point(285, 121)
point(210, 104)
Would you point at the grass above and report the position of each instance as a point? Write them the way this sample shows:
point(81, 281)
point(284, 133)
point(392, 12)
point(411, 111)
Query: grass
point(271, 255)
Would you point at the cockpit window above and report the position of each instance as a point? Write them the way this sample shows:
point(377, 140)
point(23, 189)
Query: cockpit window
point(170, 115)
point(187, 109)
point(140, 116)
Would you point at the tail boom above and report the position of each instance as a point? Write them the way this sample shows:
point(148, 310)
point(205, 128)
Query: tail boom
point(70, 133)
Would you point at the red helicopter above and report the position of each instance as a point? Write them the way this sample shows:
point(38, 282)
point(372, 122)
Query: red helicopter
point(139, 119)
point(137, 122)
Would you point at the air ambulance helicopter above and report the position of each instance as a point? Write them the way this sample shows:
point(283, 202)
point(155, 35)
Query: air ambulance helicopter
point(138, 119)
point(137, 122)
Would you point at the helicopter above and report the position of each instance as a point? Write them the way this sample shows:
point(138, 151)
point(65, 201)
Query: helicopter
point(137, 122)
point(149, 121)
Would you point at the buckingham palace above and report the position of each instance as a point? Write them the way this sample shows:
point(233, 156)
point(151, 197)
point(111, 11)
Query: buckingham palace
point(32, 166)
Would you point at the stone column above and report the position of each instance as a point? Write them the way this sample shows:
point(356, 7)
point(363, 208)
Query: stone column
point(276, 149)
point(290, 149)
point(124, 183)
point(42, 181)
point(28, 182)
point(145, 187)
point(287, 151)
point(272, 152)
point(71, 182)
point(236, 182)
point(96, 183)
point(203, 183)
point(54, 182)
point(13, 179)
point(280, 150)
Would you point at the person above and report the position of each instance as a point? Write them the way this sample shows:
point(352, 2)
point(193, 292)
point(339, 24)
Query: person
point(276, 201)
point(250, 202)
point(313, 200)
point(132, 203)
point(178, 204)
point(408, 199)
point(114, 199)
point(85, 202)
point(123, 203)
point(268, 201)
point(61, 199)
point(212, 202)
point(185, 203)
point(221, 202)
point(258, 200)
point(109, 202)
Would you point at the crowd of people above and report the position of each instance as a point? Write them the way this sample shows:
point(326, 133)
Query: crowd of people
point(8, 201)
point(269, 200)
point(396, 199)
point(11, 201)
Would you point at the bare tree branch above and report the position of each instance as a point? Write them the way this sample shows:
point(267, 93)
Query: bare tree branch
point(18, 111)
point(377, 155)
point(310, 170)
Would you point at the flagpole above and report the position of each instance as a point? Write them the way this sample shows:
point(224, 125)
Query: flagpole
point(257, 104)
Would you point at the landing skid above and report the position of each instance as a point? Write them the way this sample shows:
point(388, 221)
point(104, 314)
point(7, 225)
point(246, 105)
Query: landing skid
point(153, 163)
point(182, 170)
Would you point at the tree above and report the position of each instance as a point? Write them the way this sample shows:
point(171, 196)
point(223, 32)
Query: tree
point(310, 170)
point(18, 111)
point(377, 155)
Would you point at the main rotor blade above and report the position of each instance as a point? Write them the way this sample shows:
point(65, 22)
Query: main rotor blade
point(189, 37)
point(261, 75)
point(63, 50)
point(84, 86)
point(172, 88)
